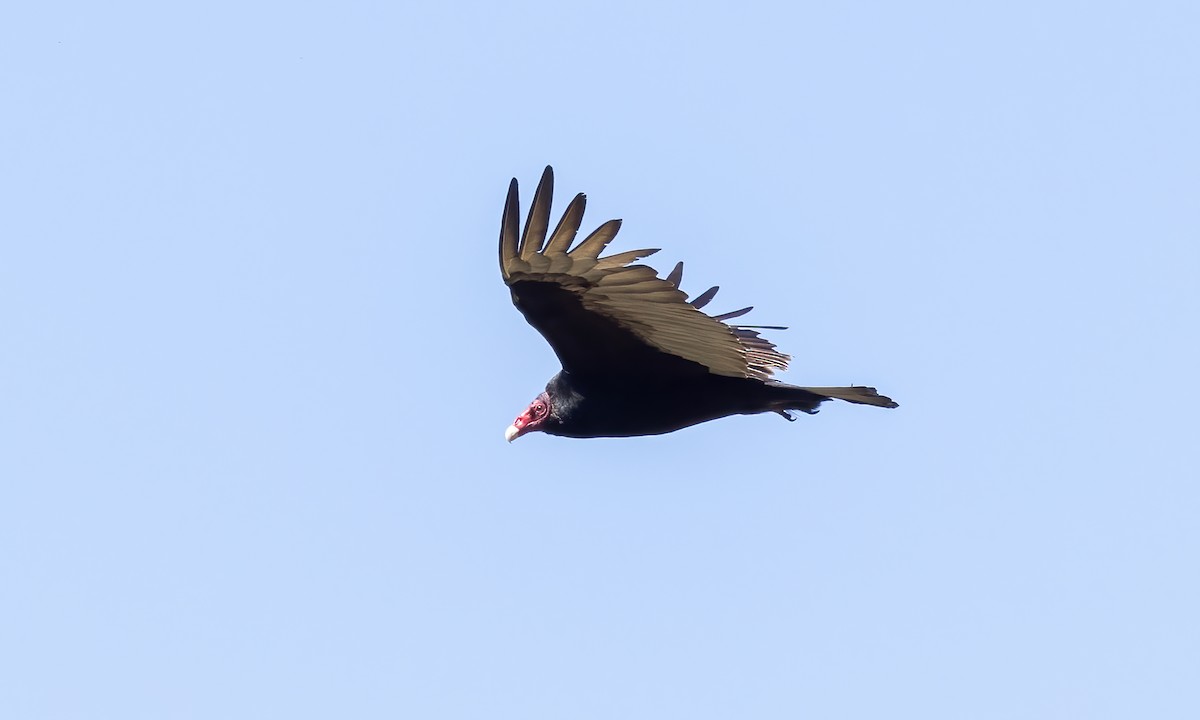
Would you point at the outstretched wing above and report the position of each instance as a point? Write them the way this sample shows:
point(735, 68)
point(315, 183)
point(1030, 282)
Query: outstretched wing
point(605, 316)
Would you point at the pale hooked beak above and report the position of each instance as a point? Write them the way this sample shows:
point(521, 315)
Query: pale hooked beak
point(511, 433)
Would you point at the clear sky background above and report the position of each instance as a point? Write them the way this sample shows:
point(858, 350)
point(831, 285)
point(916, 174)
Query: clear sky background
point(257, 362)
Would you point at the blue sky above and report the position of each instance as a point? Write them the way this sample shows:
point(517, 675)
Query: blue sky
point(258, 361)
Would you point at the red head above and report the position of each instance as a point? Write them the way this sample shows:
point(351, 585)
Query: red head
point(531, 420)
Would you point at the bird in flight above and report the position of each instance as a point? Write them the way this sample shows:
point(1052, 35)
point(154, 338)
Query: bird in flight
point(638, 358)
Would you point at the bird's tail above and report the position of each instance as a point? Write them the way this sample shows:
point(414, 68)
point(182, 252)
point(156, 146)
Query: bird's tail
point(787, 400)
point(858, 394)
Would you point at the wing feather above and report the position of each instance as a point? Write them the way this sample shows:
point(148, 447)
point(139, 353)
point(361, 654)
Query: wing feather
point(539, 217)
point(676, 275)
point(564, 233)
point(509, 225)
point(593, 244)
point(605, 316)
point(735, 314)
point(705, 297)
point(622, 259)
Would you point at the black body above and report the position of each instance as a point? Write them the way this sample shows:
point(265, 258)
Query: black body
point(652, 406)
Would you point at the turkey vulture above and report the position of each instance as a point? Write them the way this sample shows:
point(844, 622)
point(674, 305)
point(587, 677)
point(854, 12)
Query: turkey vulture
point(637, 357)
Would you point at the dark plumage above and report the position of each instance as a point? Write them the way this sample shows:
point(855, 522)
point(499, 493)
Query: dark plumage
point(637, 357)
